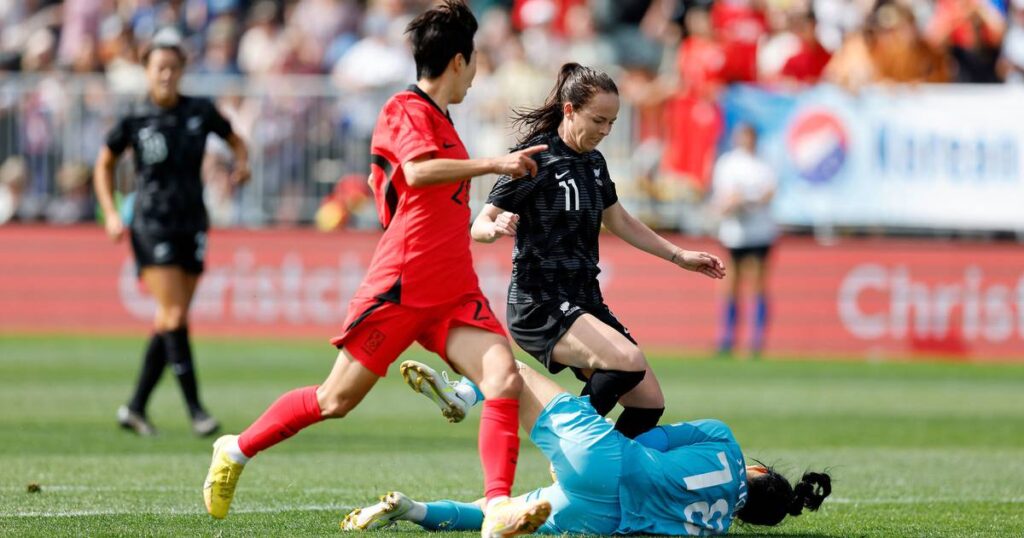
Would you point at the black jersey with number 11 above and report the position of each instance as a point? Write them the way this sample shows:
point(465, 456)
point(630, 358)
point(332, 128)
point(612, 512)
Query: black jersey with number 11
point(556, 252)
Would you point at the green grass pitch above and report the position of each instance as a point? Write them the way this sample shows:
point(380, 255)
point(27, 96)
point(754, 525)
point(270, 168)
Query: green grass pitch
point(915, 449)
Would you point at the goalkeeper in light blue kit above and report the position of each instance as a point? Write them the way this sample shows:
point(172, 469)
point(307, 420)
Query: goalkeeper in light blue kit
point(684, 479)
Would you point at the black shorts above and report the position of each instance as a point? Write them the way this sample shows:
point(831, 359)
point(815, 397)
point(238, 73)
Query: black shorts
point(185, 250)
point(537, 327)
point(760, 253)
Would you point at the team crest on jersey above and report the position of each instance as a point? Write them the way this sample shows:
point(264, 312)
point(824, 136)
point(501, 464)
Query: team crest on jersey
point(194, 123)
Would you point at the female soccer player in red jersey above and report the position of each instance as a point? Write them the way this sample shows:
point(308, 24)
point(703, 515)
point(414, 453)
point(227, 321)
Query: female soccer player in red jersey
point(421, 286)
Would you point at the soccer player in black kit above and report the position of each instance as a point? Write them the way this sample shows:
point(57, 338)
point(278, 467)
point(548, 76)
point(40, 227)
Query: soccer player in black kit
point(167, 134)
point(555, 308)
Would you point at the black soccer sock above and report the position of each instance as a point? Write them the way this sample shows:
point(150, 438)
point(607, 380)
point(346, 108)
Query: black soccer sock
point(634, 421)
point(153, 363)
point(605, 387)
point(179, 355)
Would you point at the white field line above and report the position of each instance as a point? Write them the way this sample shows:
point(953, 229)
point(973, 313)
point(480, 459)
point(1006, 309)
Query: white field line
point(176, 511)
point(342, 508)
point(928, 500)
point(136, 489)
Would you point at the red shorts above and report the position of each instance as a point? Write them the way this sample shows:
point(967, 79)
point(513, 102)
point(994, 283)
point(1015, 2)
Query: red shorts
point(378, 331)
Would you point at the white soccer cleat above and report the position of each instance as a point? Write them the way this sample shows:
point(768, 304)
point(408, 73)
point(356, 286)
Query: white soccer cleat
point(379, 516)
point(513, 518)
point(437, 387)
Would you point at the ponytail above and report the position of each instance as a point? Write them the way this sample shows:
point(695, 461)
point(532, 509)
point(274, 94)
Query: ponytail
point(576, 84)
point(810, 492)
point(770, 497)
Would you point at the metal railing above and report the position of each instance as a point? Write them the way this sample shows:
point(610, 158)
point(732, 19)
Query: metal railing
point(304, 135)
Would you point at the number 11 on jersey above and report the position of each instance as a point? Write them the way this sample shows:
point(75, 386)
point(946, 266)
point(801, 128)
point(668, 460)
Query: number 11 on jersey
point(575, 196)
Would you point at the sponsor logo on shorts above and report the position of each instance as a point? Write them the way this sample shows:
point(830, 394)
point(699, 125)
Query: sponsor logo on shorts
point(373, 342)
point(568, 309)
point(162, 252)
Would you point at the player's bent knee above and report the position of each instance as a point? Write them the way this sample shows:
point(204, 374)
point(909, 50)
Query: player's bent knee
point(627, 360)
point(507, 384)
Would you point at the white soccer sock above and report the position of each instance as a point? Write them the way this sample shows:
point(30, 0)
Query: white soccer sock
point(494, 501)
point(234, 452)
point(465, 390)
point(417, 513)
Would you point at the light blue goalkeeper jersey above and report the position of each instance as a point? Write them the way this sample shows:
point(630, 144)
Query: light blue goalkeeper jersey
point(693, 488)
point(687, 479)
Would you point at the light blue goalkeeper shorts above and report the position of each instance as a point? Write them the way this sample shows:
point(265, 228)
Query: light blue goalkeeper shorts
point(586, 453)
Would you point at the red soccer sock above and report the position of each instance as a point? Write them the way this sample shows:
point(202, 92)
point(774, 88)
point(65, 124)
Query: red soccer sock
point(499, 445)
point(292, 412)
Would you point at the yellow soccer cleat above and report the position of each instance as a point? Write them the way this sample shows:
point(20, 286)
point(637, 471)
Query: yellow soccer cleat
point(219, 488)
point(512, 518)
point(382, 515)
point(437, 387)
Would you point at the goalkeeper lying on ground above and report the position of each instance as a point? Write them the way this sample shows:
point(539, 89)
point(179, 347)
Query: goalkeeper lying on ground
point(687, 478)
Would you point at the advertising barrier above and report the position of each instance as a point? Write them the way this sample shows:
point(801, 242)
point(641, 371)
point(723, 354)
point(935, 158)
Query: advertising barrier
point(858, 298)
point(945, 157)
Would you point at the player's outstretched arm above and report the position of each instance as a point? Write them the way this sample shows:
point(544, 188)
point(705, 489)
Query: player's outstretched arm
point(425, 171)
point(636, 233)
point(492, 223)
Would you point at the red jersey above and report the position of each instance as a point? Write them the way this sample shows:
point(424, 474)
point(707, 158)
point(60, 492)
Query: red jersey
point(739, 26)
point(807, 64)
point(423, 258)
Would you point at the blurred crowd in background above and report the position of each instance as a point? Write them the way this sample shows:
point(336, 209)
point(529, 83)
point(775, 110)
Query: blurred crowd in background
point(671, 59)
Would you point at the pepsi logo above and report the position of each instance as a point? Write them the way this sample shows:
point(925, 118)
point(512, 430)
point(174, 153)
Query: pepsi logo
point(816, 142)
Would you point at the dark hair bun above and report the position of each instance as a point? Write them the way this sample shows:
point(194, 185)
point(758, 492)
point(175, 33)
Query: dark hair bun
point(810, 492)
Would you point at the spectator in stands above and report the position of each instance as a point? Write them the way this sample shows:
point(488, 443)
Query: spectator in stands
point(1011, 62)
point(694, 121)
point(13, 174)
point(742, 191)
point(777, 46)
point(75, 202)
point(890, 48)
point(219, 54)
point(808, 63)
point(633, 27)
point(973, 31)
point(739, 25)
point(585, 45)
point(260, 46)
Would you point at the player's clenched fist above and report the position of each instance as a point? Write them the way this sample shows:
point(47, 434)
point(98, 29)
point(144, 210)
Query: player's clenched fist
point(519, 163)
point(506, 223)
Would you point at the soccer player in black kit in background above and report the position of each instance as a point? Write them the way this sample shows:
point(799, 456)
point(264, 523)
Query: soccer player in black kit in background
point(167, 134)
point(555, 308)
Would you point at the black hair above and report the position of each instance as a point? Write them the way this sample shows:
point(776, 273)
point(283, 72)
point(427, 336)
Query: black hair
point(576, 84)
point(770, 497)
point(165, 39)
point(440, 33)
